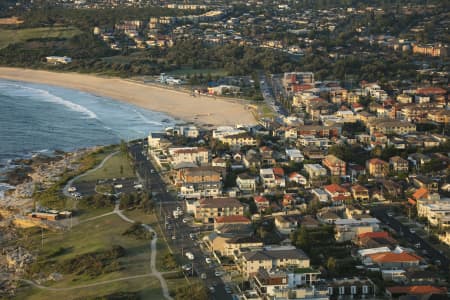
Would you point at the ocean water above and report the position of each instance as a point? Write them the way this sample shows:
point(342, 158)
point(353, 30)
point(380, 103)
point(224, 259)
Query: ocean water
point(37, 118)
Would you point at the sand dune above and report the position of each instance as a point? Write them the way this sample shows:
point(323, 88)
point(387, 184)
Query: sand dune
point(201, 109)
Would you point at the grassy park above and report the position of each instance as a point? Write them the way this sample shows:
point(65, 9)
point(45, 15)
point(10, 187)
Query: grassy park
point(117, 166)
point(9, 36)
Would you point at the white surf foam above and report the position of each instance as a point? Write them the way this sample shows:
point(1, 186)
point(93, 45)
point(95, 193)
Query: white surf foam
point(47, 97)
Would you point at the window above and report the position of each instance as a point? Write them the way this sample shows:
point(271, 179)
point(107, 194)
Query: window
point(353, 290)
point(330, 291)
point(341, 290)
point(365, 289)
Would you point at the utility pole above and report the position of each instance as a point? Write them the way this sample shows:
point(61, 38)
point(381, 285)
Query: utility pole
point(42, 237)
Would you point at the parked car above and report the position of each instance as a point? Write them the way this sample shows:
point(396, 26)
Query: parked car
point(189, 255)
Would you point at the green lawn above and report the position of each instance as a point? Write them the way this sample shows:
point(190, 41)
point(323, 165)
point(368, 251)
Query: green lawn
point(117, 166)
point(11, 36)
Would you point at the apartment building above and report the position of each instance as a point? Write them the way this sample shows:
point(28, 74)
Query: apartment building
point(271, 258)
point(206, 210)
point(335, 165)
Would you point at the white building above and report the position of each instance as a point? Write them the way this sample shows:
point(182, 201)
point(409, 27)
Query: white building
point(294, 155)
point(315, 170)
point(58, 59)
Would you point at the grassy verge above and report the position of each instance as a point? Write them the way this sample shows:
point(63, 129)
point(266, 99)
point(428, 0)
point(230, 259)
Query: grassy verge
point(12, 36)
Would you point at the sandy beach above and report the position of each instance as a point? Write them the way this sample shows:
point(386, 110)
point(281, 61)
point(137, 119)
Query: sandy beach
point(178, 104)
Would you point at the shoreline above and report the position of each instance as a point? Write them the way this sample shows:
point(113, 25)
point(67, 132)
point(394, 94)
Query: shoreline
point(201, 110)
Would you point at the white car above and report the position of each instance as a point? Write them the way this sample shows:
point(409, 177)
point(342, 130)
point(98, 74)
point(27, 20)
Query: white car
point(218, 273)
point(208, 260)
point(189, 255)
point(187, 267)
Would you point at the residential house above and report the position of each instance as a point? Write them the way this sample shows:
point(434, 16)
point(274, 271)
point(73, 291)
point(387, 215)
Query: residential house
point(294, 155)
point(314, 153)
point(418, 159)
point(360, 193)
point(252, 159)
point(246, 182)
point(425, 182)
point(377, 167)
point(280, 179)
point(376, 239)
point(267, 178)
point(320, 195)
point(335, 165)
point(297, 178)
point(286, 224)
point(229, 224)
point(315, 171)
point(219, 162)
point(349, 229)
point(389, 260)
point(262, 203)
point(398, 164)
point(337, 194)
point(309, 222)
point(416, 290)
point(266, 155)
point(288, 284)
point(207, 210)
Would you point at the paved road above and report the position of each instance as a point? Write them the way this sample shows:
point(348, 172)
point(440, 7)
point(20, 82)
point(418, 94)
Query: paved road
point(381, 213)
point(166, 202)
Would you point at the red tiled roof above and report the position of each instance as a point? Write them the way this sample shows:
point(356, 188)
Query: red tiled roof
point(359, 188)
point(431, 91)
point(232, 219)
point(420, 193)
point(260, 199)
point(278, 171)
point(417, 289)
point(394, 257)
point(335, 188)
point(377, 234)
point(377, 161)
point(341, 198)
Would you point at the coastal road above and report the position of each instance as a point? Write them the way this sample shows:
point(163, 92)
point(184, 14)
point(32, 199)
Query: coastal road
point(381, 213)
point(177, 233)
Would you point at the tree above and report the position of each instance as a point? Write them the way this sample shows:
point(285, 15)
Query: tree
point(331, 264)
